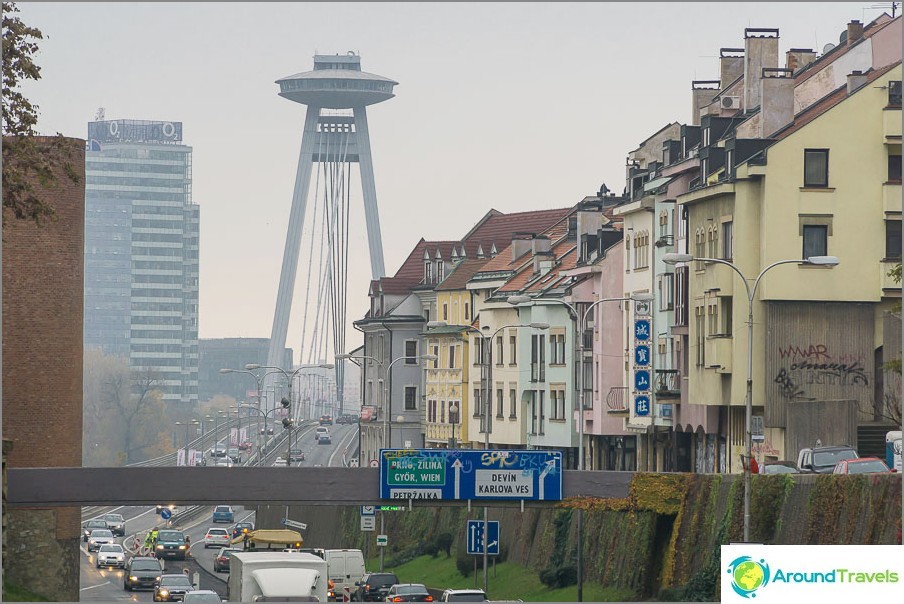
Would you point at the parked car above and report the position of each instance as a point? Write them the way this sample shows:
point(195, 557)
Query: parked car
point(241, 528)
point(822, 460)
point(201, 595)
point(779, 467)
point(217, 537)
point(172, 588)
point(100, 537)
point(862, 465)
point(111, 554)
point(373, 587)
point(463, 595)
point(408, 592)
point(221, 560)
point(141, 571)
point(223, 513)
point(92, 525)
point(116, 523)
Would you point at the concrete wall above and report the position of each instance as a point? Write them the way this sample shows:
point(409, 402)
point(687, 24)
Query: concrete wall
point(42, 377)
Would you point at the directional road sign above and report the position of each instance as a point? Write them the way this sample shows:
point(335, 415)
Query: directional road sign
point(475, 537)
point(166, 513)
point(382, 540)
point(368, 523)
point(294, 524)
point(455, 475)
point(368, 510)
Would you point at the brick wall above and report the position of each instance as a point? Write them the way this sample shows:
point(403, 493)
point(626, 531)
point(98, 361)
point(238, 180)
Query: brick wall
point(43, 298)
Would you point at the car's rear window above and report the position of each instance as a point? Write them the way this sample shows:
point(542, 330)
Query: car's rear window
point(385, 580)
point(223, 508)
point(830, 458)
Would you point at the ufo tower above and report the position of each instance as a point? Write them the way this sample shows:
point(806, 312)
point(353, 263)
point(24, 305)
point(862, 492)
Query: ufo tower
point(335, 136)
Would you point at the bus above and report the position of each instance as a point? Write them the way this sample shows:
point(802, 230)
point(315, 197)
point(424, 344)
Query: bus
point(893, 450)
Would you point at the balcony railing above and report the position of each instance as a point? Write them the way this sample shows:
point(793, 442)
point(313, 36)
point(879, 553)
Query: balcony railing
point(667, 383)
point(617, 399)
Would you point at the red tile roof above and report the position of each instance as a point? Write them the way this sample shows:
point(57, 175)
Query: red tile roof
point(839, 51)
point(498, 229)
point(461, 274)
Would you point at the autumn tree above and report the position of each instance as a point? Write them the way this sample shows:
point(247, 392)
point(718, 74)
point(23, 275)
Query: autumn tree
point(30, 163)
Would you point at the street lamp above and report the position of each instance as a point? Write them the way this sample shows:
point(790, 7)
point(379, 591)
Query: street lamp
point(514, 300)
point(290, 378)
point(387, 412)
point(751, 292)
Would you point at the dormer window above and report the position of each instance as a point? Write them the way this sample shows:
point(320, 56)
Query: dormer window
point(428, 272)
point(440, 271)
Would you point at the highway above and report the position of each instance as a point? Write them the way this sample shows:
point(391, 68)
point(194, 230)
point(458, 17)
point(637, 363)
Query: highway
point(106, 585)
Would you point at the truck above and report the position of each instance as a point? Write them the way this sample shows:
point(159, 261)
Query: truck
point(268, 576)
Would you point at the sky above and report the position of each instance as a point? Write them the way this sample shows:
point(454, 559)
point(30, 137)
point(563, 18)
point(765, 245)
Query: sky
point(512, 106)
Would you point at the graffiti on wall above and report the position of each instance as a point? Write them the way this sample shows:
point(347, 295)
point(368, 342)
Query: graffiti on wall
point(814, 364)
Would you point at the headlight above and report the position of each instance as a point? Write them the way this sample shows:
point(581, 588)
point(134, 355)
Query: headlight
point(181, 547)
point(159, 547)
point(163, 592)
point(133, 578)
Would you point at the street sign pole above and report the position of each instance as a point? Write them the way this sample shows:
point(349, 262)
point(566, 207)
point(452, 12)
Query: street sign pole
point(382, 532)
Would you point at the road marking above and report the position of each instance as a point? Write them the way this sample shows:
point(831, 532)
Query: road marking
point(93, 586)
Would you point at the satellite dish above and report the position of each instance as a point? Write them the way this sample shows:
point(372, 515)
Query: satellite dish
point(827, 48)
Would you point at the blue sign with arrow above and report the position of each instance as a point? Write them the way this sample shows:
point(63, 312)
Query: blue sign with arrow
point(454, 475)
point(475, 537)
point(166, 513)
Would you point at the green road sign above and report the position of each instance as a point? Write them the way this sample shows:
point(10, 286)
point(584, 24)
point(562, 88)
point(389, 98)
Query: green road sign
point(382, 540)
point(416, 472)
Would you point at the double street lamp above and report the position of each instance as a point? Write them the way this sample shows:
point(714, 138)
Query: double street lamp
point(751, 292)
point(581, 321)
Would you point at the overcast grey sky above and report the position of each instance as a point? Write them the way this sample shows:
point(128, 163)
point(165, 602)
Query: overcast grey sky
point(513, 106)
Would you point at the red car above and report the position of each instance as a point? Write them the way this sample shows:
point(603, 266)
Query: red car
point(861, 465)
point(246, 446)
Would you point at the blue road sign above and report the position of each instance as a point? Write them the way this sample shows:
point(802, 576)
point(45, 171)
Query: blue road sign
point(368, 510)
point(642, 355)
point(166, 513)
point(642, 329)
point(475, 537)
point(641, 405)
point(642, 380)
point(453, 475)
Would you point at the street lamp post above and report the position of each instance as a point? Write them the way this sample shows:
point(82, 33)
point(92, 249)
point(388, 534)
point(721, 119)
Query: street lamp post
point(582, 326)
point(453, 419)
point(748, 404)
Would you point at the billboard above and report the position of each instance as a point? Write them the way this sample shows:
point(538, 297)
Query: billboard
point(134, 131)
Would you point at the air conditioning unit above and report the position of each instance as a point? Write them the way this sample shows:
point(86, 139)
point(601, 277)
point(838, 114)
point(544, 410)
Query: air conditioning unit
point(731, 102)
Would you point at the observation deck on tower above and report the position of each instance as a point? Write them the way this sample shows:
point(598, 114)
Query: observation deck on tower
point(337, 82)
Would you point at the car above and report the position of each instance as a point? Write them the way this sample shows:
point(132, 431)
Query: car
point(408, 592)
point(241, 528)
point(296, 455)
point(201, 595)
point(218, 450)
point(463, 595)
point(171, 544)
point(326, 420)
point(172, 588)
point(99, 537)
point(320, 430)
point(141, 571)
point(246, 446)
point(170, 506)
point(91, 525)
point(324, 439)
point(221, 560)
point(217, 537)
point(111, 554)
point(822, 460)
point(862, 465)
point(779, 467)
point(223, 513)
point(342, 419)
point(116, 523)
point(234, 454)
point(225, 462)
point(373, 587)
point(279, 461)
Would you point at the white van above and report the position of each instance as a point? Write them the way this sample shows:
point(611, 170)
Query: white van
point(345, 567)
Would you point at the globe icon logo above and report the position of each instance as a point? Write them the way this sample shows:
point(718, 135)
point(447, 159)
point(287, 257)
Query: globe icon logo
point(748, 575)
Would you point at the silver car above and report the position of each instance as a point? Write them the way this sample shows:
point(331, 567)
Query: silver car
point(100, 537)
point(111, 554)
point(116, 523)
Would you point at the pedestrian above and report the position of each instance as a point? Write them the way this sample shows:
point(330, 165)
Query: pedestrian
point(187, 548)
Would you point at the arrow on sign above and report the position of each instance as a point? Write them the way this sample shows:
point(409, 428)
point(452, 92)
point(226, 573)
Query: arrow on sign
point(549, 467)
point(475, 537)
point(457, 465)
point(491, 544)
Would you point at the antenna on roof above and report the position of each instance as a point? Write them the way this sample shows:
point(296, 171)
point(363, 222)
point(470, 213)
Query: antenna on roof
point(892, 5)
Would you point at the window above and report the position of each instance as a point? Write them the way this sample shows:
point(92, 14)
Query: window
point(663, 223)
point(542, 395)
point(894, 168)
point(411, 352)
point(725, 308)
point(440, 271)
point(538, 358)
point(713, 242)
point(428, 272)
point(431, 411)
point(533, 412)
point(435, 352)
point(557, 349)
point(513, 404)
point(499, 350)
point(628, 251)
point(557, 402)
point(816, 167)
point(727, 241)
point(816, 240)
point(478, 351)
point(467, 311)
point(699, 336)
point(499, 403)
point(700, 247)
point(452, 356)
point(442, 412)
point(477, 402)
point(894, 93)
point(666, 294)
point(893, 239)
point(513, 347)
point(445, 312)
point(713, 320)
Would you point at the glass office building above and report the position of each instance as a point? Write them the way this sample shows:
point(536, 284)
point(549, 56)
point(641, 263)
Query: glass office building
point(141, 251)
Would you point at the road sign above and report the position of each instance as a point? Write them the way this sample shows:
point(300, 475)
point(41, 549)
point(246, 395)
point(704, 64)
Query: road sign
point(368, 510)
point(166, 513)
point(294, 524)
point(368, 523)
point(374, 463)
point(382, 540)
point(641, 405)
point(455, 475)
point(475, 537)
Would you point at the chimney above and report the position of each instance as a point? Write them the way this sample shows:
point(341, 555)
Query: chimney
point(540, 244)
point(777, 107)
point(798, 58)
point(731, 65)
point(854, 32)
point(521, 244)
point(702, 94)
point(544, 262)
point(855, 80)
point(760, 50)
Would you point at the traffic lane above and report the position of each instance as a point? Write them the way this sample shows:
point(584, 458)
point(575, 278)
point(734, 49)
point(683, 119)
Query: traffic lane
point(205, 556)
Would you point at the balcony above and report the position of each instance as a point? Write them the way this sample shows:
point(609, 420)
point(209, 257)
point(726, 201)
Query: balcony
point(667, 383)
point(617, 400)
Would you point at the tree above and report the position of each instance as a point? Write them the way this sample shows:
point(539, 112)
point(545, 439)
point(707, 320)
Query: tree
point(28, 160)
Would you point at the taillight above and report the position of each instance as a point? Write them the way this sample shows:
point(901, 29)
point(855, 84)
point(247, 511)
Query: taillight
point(366, 586)
point(429, 598)
point(397, 599)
